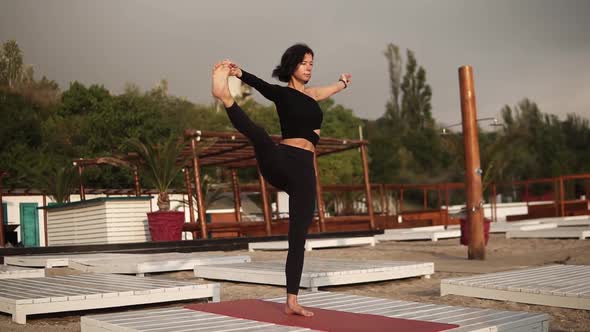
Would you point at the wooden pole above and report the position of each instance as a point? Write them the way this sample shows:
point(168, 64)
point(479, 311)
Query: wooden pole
point(382, 199)
point(556, 196)
point(388, 198)
point(237, 200)
point(494, 203)
point(265, 208)
point(82, 193)
point(136, 181)
point(526, 194)
point(189, 193)
point(367, 186)
point(199, 189)
point(320, 197)
point(278, 211)
point(2, 236)
point(401, 200)
point(473, 170)
point(443, 216)
point(562, 196)
point(45, 219)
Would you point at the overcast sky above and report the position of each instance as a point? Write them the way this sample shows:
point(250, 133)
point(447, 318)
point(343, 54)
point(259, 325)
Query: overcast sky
point(518, 48)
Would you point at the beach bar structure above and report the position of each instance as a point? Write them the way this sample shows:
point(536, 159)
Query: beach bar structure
point(233, 151)
point(344, 206)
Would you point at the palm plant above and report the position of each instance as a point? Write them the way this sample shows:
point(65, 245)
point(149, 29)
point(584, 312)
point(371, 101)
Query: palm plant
point(56, 178)
point(159, 165)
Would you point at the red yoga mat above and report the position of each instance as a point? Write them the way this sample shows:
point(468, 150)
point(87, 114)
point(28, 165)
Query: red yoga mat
point(323, 320)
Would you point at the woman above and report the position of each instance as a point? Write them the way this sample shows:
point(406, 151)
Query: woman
point(289, 165)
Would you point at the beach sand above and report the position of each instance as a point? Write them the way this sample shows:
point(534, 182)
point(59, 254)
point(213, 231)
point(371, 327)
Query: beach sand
point(449, 257)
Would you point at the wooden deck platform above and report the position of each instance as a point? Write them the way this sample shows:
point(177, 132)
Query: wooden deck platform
point(23, 297)
point(13, 272)
point(317, 272)
point(432, 233)
point(181, 319)
point(311, 244)
point(565, 286)
point(568, 221)
point(503, 227)
point(581, 233)
point(49, 261)
point(140, 264)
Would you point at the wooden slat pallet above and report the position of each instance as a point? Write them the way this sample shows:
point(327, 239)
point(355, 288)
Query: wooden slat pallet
point(311, 244)
point(581, 233)
point(568, 221)
point(12, 272)
point(317, 272)
point(432, 233)
point(565, 286)
point(503, 227)
point(23, 297)
point(180, 319)
point(49, 261)
point(140, 264)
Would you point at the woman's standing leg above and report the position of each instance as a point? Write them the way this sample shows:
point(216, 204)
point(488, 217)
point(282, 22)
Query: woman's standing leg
point(302, 198)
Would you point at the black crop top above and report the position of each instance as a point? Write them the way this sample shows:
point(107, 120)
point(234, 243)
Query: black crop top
point(299, 114)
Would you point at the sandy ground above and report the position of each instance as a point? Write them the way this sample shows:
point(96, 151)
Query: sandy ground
point(449, 258)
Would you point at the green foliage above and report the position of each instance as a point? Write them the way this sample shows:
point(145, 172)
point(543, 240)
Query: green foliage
point(405, 145)
point(158, 163)
point(11, 63)
point(56, 178)
point(344, 167)
point(415, 106)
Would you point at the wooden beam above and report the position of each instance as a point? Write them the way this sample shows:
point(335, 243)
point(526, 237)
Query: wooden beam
point(189, 191)
point(45, 219)
point(265, 207)
point(2, 235)
point(136, 181)
point(367, 186)
point(236, 190)
point(199, 189)
point(562, 196)
point(82, 192)
point(320, 198)
point(382, 199)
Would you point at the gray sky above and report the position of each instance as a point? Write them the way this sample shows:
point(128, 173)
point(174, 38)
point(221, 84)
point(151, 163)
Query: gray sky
point(525, 48)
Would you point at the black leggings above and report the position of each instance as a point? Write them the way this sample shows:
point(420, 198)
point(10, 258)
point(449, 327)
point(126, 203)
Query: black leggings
point(290, 169)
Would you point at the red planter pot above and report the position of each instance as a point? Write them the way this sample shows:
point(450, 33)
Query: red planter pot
point(166, 225)
point(465, 231)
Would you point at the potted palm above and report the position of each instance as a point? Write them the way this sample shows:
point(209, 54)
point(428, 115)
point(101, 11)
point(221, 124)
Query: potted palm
point(56, 178)
point(159, 165)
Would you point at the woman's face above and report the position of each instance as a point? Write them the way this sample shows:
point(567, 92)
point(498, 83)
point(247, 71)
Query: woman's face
point(303, 71)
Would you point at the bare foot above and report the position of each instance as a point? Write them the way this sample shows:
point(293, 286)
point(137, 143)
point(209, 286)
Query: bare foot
point(219, 86)
point(297, 310)
point(293, 308)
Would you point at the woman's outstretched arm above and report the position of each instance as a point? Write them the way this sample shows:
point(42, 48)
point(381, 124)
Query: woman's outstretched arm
point(323, 92)
point(269, 91)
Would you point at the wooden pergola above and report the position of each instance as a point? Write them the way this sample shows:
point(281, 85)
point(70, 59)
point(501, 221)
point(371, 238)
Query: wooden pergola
point(232, 150)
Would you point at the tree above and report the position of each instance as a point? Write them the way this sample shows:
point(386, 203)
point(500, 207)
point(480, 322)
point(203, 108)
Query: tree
point(340, 122)
point(404, 141)
point(394, 63)
point(11, 64)
point(416, 107)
